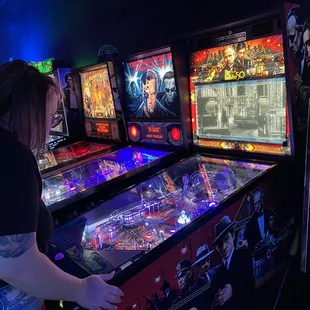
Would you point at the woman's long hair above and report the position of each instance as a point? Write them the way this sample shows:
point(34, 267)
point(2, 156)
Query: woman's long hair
point(24, 93)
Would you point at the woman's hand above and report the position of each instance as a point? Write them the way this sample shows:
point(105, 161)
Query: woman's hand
point(43, 279)
point(96, 294)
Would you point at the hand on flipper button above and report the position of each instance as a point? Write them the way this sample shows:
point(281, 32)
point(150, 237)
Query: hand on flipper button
point(96, 293)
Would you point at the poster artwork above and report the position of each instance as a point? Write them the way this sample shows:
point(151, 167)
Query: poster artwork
point(298, 36)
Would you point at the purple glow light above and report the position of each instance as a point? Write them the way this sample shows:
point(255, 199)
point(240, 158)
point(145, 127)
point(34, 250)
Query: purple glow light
point(172, 231)
point(59, 256)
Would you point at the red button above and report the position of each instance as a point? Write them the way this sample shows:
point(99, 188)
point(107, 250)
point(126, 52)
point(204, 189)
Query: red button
point(176, 134)
point(133, 131)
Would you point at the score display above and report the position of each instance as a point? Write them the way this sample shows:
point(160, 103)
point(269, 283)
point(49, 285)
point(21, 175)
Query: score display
point(159, 133)
point(103, 128)
point(154, 132)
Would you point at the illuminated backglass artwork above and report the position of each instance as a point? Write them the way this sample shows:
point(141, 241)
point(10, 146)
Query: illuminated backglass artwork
point(151, 88)
point(97, 95)
point(238, 97)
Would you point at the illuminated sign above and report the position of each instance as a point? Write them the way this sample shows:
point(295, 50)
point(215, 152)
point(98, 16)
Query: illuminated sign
point(44, 66)
point(231, 38)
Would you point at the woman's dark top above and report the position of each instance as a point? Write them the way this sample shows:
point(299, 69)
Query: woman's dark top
point(21, 208)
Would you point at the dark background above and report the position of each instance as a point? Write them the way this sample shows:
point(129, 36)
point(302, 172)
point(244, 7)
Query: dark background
point(75, 29)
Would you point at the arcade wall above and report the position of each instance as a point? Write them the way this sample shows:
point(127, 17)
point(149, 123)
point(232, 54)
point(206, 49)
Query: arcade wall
point(75, 30)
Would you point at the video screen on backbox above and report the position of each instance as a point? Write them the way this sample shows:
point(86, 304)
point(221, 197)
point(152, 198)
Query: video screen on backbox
point(248, 110)
point(97, 94)
point(151, 89)
point(257, 58)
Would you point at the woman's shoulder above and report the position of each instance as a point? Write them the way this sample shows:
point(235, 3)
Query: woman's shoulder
point(14, 153)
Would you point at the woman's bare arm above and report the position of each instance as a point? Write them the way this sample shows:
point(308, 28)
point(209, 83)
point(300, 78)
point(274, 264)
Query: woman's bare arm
point(24, 267)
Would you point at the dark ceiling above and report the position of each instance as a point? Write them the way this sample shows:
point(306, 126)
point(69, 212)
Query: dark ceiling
point(36, 30)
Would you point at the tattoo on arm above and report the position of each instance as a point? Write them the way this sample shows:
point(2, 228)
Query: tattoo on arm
point(16, 245)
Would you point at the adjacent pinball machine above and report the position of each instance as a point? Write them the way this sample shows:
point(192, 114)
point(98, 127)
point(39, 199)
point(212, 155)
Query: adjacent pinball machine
point(153, 111)
point(213, 229)
point(305, 231)
point(298, 23)
point(64, 147)
point(305, 244)
point(57, 71)
point(156, 141)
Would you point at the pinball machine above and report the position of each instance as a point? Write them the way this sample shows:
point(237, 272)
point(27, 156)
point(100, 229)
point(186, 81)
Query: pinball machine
point(302, 16)
point(154, 115)
point(154, 141)
point(215, 228)
point(53, 69)
point(64, 147)
point(305, 231)
point(305, 251)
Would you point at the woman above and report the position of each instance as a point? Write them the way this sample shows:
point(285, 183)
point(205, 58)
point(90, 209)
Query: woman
point(28, 104)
